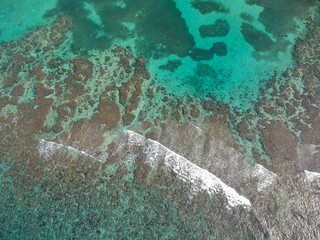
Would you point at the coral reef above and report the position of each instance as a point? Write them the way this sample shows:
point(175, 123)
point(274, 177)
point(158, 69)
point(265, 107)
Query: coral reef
point(96, 141)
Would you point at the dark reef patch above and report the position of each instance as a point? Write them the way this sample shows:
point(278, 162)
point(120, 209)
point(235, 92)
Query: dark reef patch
point(278, 15)
point(219, 29)
point(198, 54)
point(205, 70)
point(220, 49)
point(247, 17)
point(158, 23)
point(206, 7)
point(256, 38)
point(171, 65)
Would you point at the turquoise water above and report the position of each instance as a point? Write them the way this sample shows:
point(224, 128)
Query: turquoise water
point(20, 17)
point(193, 49)
point(226, 49)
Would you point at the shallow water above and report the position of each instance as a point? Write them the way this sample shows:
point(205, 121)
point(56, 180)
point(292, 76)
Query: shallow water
point(228, 50)
point(82, 95)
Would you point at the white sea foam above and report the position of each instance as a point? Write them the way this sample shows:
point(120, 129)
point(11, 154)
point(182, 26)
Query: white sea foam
point(201, 179)
point(307, 150)
point(47, 149)
point(265, 177)
point(199, 130)
point(311, 176)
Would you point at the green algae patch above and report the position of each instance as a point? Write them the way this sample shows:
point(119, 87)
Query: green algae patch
point(206, 7)
point(219, 29)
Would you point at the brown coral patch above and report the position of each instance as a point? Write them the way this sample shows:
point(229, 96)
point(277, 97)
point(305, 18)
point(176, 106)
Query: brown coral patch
point(37, 71)
point(57, 127)
point(83, 69)
point(39, 115)
point(209, 106)
point(85, 135)
point(140, 68)
point(12, 80)
point(41, 92)
point(4, 44)
point(123, 95)
point(128, 118)
point(243, 128)
point(177, 115)
point(279, 141)
point(72, 104)
point(63, 110)
point(18, 90)
point(3, 102)
point(195, 112)
point(311, 135)
point(125, 61)
point(109, 114)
